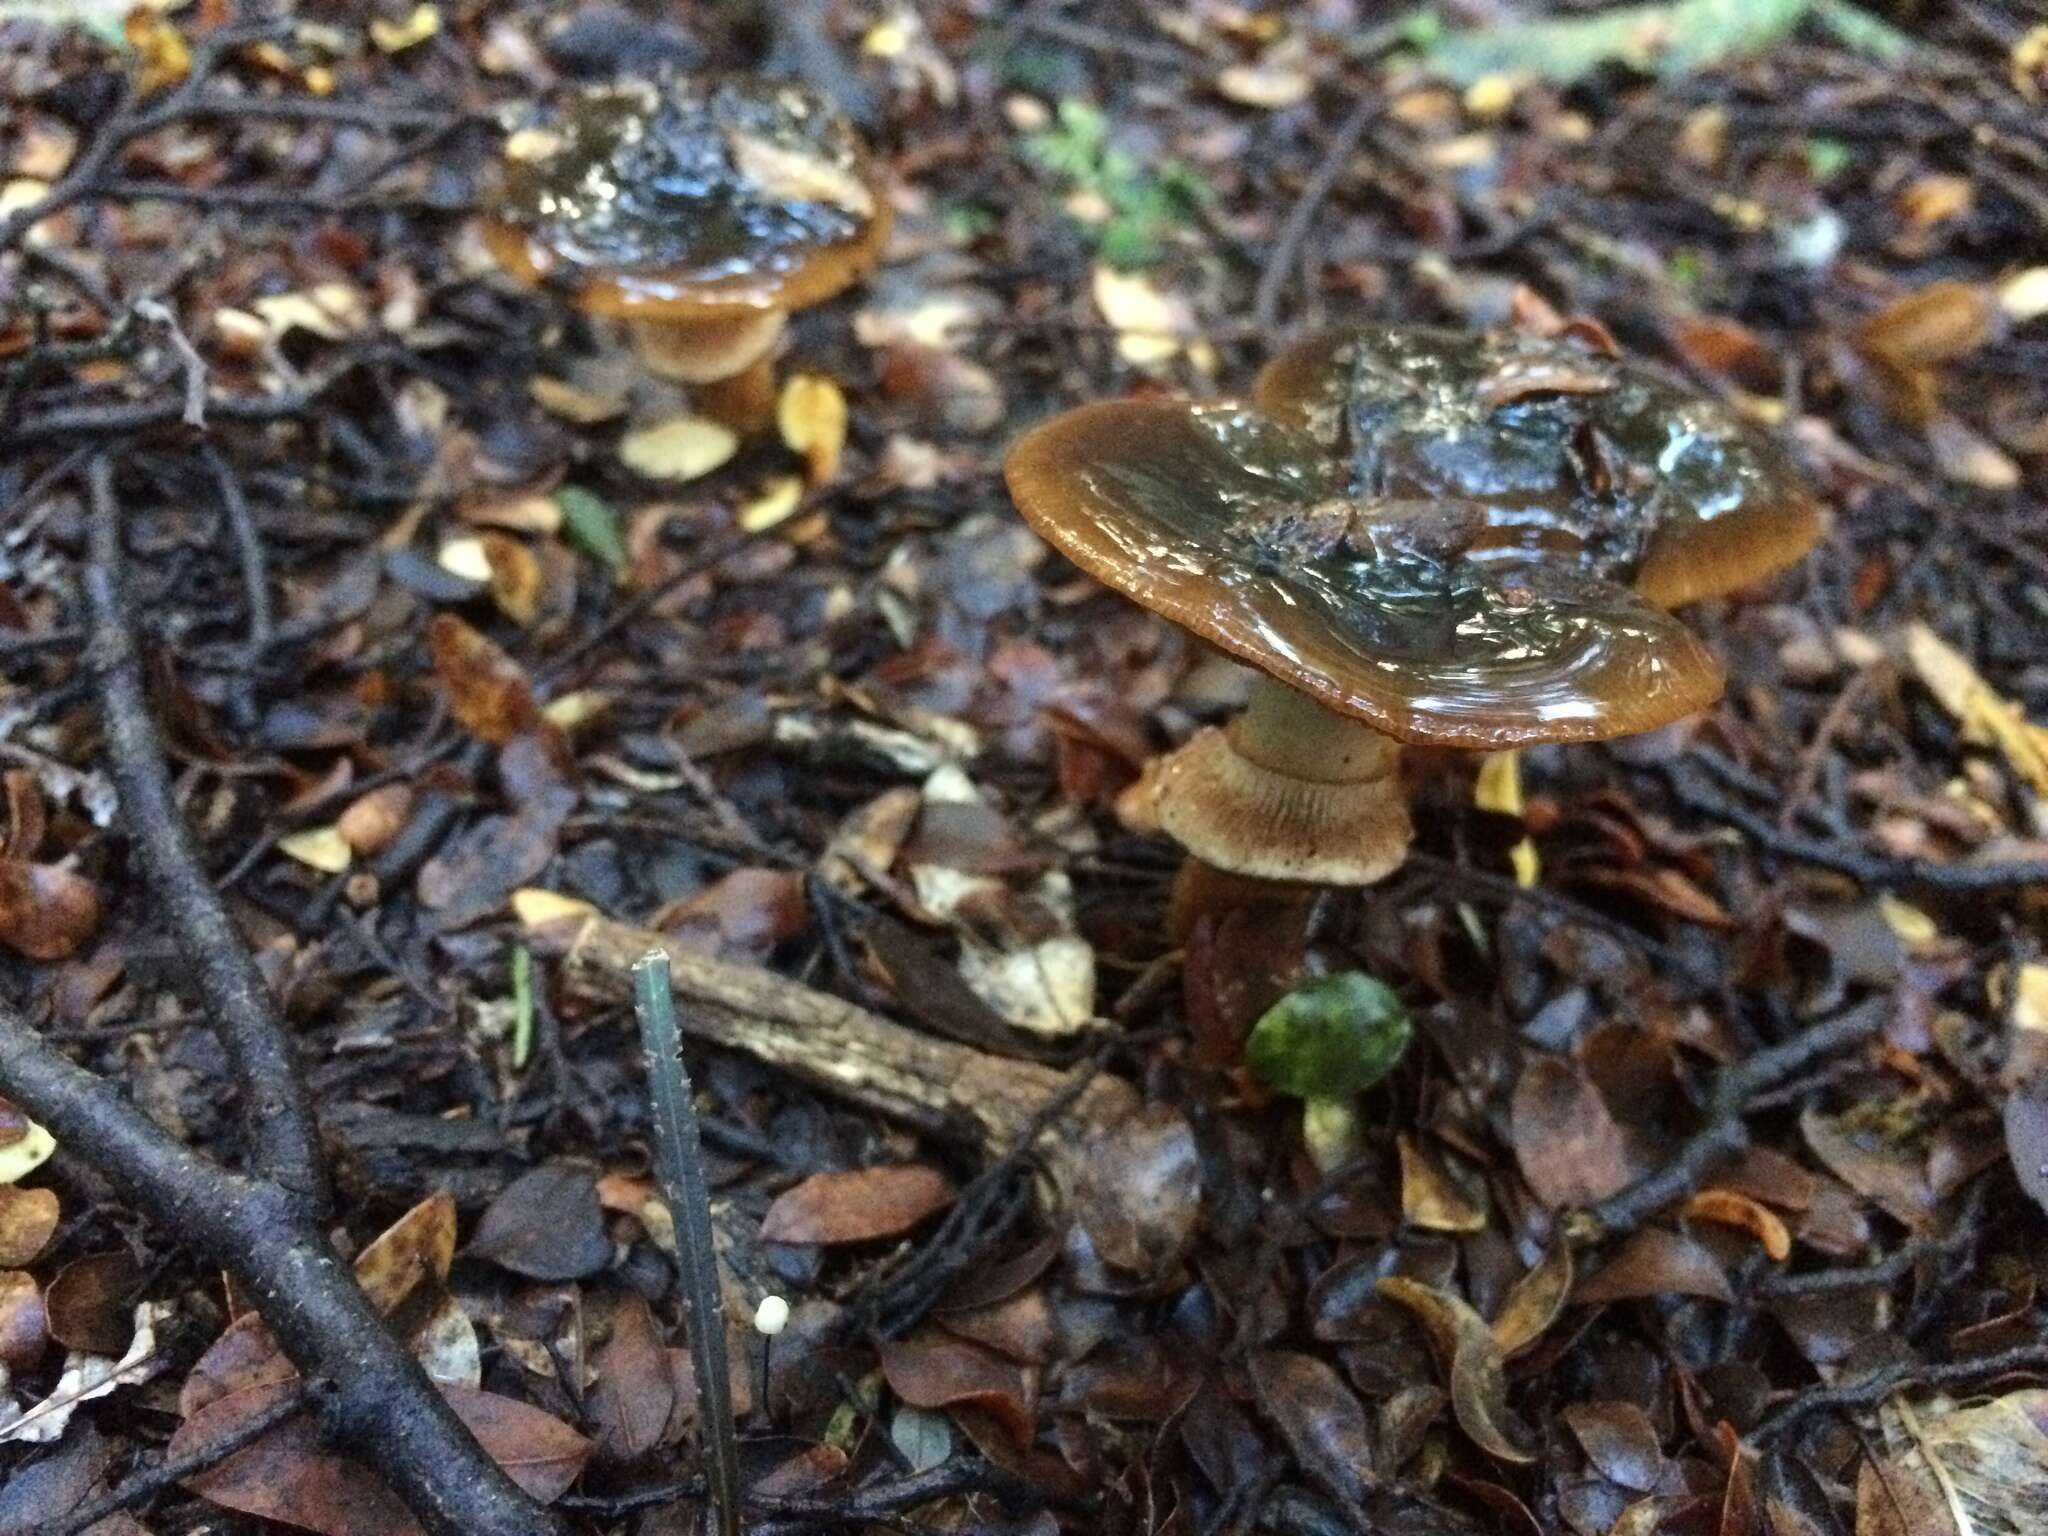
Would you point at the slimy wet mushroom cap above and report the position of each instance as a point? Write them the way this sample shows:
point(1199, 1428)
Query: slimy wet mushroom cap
point(1573, 454)
point(690, 198)
point(1261, 538)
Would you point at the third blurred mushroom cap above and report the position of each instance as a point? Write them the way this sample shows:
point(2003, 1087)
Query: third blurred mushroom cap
point(1257, 536)
point(690, 198)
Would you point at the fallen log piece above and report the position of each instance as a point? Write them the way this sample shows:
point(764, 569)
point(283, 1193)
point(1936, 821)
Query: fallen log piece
point(938, 1086)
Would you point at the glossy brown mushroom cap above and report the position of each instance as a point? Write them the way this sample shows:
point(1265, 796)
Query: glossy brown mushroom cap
point(1571, 453)
point(690, 198)
point(1247, 533)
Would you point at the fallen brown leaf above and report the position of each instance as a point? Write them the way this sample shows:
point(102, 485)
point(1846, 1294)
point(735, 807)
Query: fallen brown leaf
point(857, 1207)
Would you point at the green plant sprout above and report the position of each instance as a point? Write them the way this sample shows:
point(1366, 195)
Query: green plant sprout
point(1325, 1044)
point(1144, 204)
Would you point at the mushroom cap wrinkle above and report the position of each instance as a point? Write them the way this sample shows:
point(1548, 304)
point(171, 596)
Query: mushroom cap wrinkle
point(1572, 453)
point(1253, 533)
point(690, 198)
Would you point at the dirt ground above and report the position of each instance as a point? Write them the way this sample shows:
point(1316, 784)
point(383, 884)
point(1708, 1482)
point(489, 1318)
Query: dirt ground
point(1706, 1198)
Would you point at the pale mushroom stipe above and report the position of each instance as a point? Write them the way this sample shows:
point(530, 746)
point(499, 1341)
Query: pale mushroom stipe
point(1415, 536)
point(701, 211)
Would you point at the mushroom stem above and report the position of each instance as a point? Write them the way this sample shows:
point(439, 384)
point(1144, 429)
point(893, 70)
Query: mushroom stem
point(1286, 732)
point(745, 402)
point(1289, 795)
point(706, 349)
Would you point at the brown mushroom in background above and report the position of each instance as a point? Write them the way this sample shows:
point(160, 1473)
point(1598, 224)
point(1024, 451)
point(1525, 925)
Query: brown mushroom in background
point(702, 212)
point(1415, 536)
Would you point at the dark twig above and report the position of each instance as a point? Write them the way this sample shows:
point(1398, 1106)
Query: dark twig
point(249, 552)
point(1286, 252)
point(1869, 1390)
point(283, 1142)
point(146, 1485)
point(382, 1406)
point(1872, 870)
point(1724, 1135)
point(680, 1160)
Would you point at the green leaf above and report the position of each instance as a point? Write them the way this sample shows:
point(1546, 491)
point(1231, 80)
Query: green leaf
point(592, 526)
point(522, 1007)
point(1866, 34)
point(1678, 38)
point(1330, 1039)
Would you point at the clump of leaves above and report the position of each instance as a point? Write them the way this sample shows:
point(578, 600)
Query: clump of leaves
point(1144, 204)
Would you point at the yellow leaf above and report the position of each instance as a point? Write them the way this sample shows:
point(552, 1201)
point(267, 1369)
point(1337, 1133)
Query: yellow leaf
point(1492, 97)
point(25, 1154)
point(321, 848)
point(465, 558)
point(2030, 1002)
point(537, 908)
point(1150, 325)
point(1499, 789)
point(2024, 295)
point(1982, 712)
point(397, 36)
point(1271, 86)
point(811, 416)
point(681, 448)
point(1915, 929)
point(158, 47)
point(565, 400)
point(573, 710)
point(775, 503)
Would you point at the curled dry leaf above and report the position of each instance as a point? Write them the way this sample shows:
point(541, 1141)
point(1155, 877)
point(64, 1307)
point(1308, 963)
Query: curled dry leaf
point(1730, 1209)
point(857, 1207)
point(28, 1217)
point(1433, 1197)
point(46, 910)
point(1476, 1366)
point(1536, 1301)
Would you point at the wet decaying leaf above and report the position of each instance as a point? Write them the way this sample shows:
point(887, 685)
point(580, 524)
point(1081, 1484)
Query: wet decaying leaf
point(1655, 1262)
point(932, 1370)
point(1321, 1419)
point(1571, 1151)
point(856, 1207)
point(636, 1392)
point(1950, 1470)
point(1474, 1365)
point(547, 1225)
point(1140, 1197)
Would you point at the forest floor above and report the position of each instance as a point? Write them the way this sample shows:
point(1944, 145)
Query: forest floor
point(1708, 1196)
